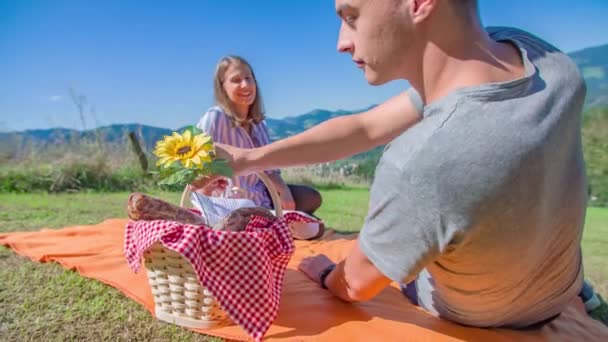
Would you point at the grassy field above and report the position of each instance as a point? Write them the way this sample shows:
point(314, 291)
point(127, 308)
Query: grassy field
point(46, 302)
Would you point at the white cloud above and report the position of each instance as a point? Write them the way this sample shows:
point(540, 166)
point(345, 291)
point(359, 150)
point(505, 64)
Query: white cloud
point(55, 98)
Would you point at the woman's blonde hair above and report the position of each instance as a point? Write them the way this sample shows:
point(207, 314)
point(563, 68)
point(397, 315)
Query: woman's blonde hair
point(256, 109)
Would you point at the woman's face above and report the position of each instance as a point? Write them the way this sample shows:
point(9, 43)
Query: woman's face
point(239, 84)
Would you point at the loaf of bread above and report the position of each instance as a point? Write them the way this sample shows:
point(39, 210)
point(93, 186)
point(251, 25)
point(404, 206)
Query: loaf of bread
point(144, 207)
point(238, 219)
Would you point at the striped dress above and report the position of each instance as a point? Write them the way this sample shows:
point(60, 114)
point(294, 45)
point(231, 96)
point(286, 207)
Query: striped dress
point(217, 124)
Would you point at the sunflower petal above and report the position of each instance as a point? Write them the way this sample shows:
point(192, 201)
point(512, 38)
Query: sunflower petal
point(197, 142)
point(196, 159)
point(187, 137)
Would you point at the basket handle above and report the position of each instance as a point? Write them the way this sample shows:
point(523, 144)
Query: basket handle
point(274, 195)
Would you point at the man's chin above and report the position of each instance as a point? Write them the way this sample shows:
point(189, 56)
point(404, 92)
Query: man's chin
point(374, 80)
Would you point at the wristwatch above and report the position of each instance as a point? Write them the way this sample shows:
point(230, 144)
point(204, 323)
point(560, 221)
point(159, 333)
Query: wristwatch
point(325, 273)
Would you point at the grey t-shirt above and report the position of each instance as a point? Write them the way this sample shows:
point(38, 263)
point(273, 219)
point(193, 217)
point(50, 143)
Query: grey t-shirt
point(483, 201)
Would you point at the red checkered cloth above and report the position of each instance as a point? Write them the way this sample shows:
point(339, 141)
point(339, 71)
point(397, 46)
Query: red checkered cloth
point(244, 270)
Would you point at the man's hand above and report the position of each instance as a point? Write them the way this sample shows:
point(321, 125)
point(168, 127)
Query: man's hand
point(354, 279)
point(314, 265)
point(236, 157)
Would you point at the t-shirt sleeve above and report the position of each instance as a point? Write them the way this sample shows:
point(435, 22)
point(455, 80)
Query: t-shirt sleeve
point(403, 230)
point(416, 100)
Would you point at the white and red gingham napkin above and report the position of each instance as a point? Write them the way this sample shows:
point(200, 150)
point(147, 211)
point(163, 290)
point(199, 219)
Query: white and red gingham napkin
point(244, 270)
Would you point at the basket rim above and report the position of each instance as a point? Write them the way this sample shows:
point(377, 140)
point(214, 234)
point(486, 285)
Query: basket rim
point(274, 194)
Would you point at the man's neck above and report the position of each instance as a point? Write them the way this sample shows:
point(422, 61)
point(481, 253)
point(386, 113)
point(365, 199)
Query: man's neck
point(463, 59)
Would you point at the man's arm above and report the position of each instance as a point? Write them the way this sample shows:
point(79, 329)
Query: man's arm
point(354, 279)
point(331, 140)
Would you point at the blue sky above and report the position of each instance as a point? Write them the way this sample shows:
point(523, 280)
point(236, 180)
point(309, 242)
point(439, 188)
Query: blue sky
point(152, 62)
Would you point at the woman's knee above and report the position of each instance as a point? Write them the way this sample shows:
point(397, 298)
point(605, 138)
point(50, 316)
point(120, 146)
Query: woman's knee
point(307, 198)
point(315, 199)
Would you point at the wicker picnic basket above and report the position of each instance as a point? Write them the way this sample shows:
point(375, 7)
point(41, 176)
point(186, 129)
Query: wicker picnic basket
point(179, 297)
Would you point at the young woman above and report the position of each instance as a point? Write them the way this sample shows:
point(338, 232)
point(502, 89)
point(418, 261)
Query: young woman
point(237, 119)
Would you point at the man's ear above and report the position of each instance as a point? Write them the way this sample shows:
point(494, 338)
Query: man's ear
point(421, 9)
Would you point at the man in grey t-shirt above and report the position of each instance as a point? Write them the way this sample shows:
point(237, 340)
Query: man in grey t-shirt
point(484, 200)
point(479, 198)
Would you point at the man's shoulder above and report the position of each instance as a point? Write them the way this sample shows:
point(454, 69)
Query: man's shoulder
point(541, 53)
point(441, 150)
point(413, 153)
point(529, 40)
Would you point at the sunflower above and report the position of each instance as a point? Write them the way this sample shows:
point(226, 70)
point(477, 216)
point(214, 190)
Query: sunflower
point(191, 150)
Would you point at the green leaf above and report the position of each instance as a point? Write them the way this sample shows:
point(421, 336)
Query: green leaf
point(171, 180)
point(220, 167)
point(189, 178)
point(193, 129)
point(164, 172)
point(177, 178)
point(177, 165)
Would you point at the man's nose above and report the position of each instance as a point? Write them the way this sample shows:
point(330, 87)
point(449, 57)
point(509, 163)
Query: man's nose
point(345, 43)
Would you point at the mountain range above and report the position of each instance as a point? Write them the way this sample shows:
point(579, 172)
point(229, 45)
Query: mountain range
point(593, 63)
point(148, 135)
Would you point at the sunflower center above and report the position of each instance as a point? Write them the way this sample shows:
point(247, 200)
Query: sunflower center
point(184, 150)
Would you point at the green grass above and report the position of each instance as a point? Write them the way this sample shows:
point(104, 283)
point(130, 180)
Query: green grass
point(344, 209)
point(48, 303)
point(595, 249)
point(594, 72)
point(45, 302)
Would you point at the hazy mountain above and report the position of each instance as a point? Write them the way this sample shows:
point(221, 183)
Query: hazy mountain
point(281, 128)
point(593, 63)
point(112, 134)
point(148, 135)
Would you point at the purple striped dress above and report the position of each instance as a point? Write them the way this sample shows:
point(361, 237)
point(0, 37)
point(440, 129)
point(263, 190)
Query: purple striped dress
point(217, 124)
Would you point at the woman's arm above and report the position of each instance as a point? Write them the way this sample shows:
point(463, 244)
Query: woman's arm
point(331, 140)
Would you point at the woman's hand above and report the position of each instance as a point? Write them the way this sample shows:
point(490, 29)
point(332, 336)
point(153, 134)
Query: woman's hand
point(208, 185)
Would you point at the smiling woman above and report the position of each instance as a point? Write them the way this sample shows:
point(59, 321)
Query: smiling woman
point(238, 120)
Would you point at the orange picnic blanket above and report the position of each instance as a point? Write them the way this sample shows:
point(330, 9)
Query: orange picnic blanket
point(307, 312)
